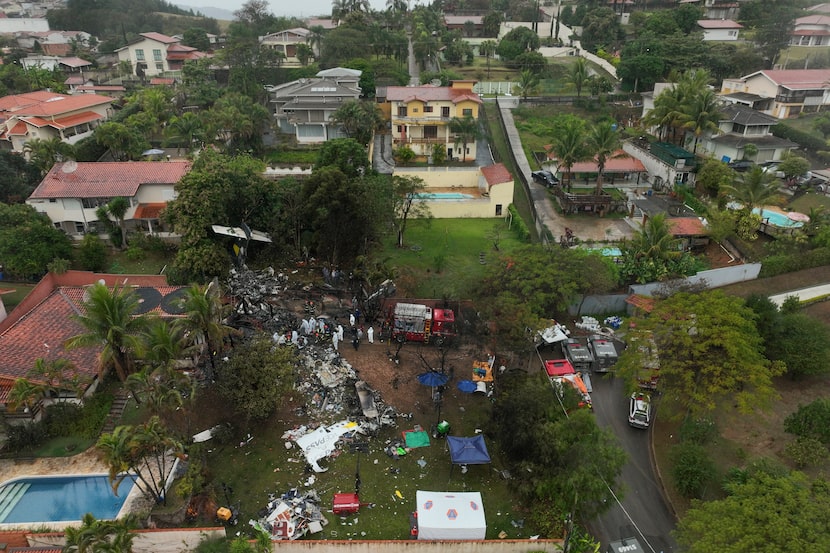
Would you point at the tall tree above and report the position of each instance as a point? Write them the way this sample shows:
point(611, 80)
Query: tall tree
point(753, 188)
point(405, 190)
point(568, 143)
point(187, 129)
point(359, 119)
point(94, 536)
point(487, 49)
point(110, 319)
point(528, 83)
point(701, 114)
point(117, 209)
point(578, 75)
point(204, 318)
point(29, 241)
point(44, 153)
point(709, 351)
point(465, 130)
point(603, 143)
point(347, 155)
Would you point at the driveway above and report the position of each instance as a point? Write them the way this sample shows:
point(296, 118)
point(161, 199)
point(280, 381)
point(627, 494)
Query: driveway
point(642, 512)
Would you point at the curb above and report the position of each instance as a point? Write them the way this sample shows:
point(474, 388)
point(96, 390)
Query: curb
point(658, 475)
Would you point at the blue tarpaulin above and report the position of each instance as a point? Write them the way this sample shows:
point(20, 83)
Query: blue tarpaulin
point(468, 451)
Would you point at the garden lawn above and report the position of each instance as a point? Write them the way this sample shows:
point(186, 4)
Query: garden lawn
point(805, 203)
point(441, 258)
point(11, 299)
point(150, 263)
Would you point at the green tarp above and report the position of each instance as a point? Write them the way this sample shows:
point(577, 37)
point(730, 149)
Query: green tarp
point(416, 439)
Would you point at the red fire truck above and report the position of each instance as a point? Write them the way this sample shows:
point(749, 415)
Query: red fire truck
point(414, 322)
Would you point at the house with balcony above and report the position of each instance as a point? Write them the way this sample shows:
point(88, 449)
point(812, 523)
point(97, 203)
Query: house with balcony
point(790, 91)
point(811, 30)
point(45, 115)
point(421, 116)
point(304, 107)
point(286, 42)
point(72, 191)
point(719, 29)
point(666, 164)
point(740, 126)
point(40, 325)
point(153, 54)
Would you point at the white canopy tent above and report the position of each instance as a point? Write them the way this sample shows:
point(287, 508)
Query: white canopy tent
point(450, 516)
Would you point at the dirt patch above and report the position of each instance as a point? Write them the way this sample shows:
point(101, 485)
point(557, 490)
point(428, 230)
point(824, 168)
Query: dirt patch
point(779, 284)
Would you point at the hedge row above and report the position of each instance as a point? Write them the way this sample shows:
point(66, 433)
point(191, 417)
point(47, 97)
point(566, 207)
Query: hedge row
point(804, 139)
point(518, 225)
point(780, 264)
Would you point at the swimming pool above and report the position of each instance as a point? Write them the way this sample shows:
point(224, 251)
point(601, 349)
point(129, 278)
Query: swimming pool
point(777, 219)
point(60, 498)
point(443, 196)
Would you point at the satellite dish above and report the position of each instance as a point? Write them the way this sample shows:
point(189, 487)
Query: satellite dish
point(435, 82)
point(70, 166)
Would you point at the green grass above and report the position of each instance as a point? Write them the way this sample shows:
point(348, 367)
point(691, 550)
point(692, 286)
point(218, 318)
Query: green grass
point(11, 299)
point(441, 257)
point(809, 201)
point(304, 156)
point(265, 466)
point(151, 263)
point(63, 447)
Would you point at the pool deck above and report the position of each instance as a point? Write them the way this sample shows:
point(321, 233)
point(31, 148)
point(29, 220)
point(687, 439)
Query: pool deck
point(85, 463)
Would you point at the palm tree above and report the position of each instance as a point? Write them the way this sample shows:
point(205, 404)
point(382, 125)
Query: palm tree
point(579, 75)
point(94, 536)
point(44, 153)
point(568, 144)
point(528, 81)
point(753, 188)
point(109, 318)
point(117, 208)
point(654, 241)
point(603, 142)
point(466, 130)
point(204, 313)
point(25, 393)
point(487, 49)
point(701, 113)
point(666, 112)
point(185, 130)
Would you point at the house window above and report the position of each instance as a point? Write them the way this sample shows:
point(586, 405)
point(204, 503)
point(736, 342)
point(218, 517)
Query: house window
point(94, 203)
point(156, 55)
point(445, 111)
point(468, 112)
point(427, 109)
point(498, 210)
point(401, 111)
point(431, 131)
point(159, 67)
point(79, 227)
point(400, 129)
point(414, 110)
point(139, 54)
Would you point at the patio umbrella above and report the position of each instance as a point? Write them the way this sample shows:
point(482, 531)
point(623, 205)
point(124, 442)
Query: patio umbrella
point(800, 217)
point(433, 379)
point(466, 386)
point(152, 152)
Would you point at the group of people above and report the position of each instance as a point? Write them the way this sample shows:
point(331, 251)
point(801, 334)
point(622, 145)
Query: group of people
point(357, 332)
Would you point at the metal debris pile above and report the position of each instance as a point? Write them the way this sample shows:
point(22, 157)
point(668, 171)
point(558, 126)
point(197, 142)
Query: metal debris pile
point(291, 515)
point(254, 289)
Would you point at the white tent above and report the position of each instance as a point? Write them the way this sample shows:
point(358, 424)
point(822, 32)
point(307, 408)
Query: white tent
point(450, 516)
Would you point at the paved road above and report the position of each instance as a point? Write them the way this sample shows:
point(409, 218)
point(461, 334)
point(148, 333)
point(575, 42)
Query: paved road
point(803, 294)
point(642, 501)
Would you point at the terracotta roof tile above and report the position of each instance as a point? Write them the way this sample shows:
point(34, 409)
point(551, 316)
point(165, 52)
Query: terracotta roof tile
point(719, 24)
point(645, 303)
point(107, 179)
point(14, 539)
point(158, 37)
point(149, 210)
point(686, 226)
point(430, 94)
point(496, 174)
point(48, 104)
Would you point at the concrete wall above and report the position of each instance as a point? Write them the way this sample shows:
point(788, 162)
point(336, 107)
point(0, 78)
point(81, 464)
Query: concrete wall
point(463, 181)
point(599, 305)
point(490, 546)
point(146, 541)
point(443, 177)
point(713, 278)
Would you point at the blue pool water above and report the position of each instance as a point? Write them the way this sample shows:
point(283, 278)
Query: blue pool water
point(777, 219)
point(443, 196)
point(60, 498)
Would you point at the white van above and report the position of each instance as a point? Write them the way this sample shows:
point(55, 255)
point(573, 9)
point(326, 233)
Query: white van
point(639, 410)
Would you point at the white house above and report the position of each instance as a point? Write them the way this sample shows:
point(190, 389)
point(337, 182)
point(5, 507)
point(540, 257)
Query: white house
point(789, 91)
point(72, 191)
point(719, 29)
point(811, 30)
point(738, 127)
point(286, 42)
point(46, 115)
point(153, 54)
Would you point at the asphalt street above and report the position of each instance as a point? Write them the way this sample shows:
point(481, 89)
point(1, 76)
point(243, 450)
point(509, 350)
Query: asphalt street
point(641, 512)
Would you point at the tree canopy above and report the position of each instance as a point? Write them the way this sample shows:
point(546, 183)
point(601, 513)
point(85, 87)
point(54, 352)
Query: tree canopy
point(29, 241)
point(709, 350)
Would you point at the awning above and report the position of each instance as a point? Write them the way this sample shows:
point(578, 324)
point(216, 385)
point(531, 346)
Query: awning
point(74, 120)
point(149, 210)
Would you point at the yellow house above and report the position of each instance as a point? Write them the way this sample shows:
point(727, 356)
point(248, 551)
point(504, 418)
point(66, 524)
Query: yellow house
point(421, 115)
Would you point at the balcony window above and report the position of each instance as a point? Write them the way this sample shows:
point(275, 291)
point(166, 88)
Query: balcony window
point(445, 111)
point(402, 111)
point(427, 109)
point(431, 131)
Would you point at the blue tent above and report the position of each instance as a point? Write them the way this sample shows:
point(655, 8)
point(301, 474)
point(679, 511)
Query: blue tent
point(468, 451)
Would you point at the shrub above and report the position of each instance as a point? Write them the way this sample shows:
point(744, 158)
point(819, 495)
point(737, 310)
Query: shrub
point(806, 140)
point(61, 418)
point(806, 452)
point(25, 437)
point(92, 253)
point(692, 469)
point(780, 264)
point(811, 421)
point(518, 225)
point(698, 431)
point(135, 253)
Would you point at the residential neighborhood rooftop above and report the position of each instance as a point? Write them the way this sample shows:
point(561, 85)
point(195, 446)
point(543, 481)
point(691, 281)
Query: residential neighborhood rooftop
point(106, 179)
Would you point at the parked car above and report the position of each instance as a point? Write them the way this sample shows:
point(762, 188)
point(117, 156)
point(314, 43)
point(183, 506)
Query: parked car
point(545, 177)
point(771, 167)
point(639, 410)
point(741, 166)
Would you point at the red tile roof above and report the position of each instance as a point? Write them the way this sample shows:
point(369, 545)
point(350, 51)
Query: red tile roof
point(158, 37)
point(719, 24)
point(149, 211)
point(162, 81)
point(14, 539)
point(6, 385)
point(107, 179)
point(41, 324)
point(73, 61)
point(430, 94)
point(621, 164)
point(64, 122)
point(496, 174)
point(48, 104)
point(74, 80)
point(798, 78)
point(641, 302)
point(55, 49)
point(686, 226)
